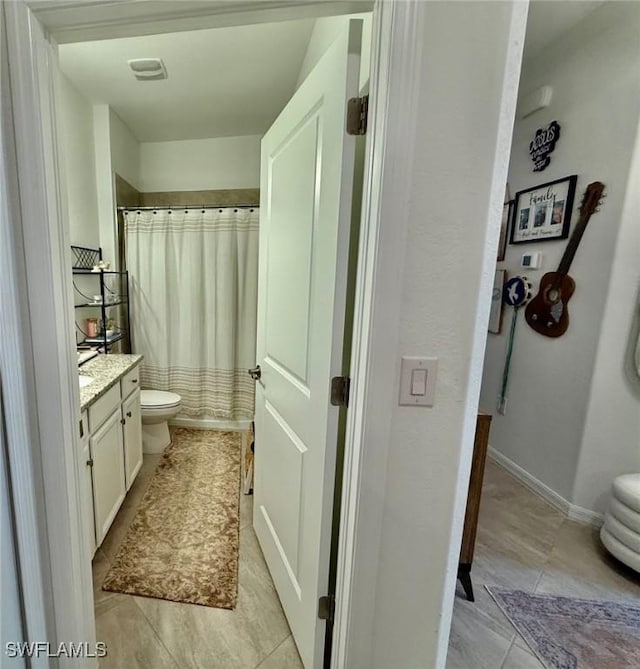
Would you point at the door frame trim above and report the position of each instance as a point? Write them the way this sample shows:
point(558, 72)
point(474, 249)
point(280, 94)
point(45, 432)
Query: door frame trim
point(41, 239)
point(394, 90)
point(54, 563)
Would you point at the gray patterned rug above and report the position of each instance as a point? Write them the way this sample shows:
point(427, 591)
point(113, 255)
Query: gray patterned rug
point(182, 544)
point(567, 633)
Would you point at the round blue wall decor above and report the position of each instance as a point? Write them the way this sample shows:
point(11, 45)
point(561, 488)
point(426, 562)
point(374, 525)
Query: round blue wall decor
point(517, 291)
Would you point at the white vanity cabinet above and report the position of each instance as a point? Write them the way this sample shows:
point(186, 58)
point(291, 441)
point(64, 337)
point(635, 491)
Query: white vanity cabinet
point(111, 453)
point(132, 434)
point(108, 473)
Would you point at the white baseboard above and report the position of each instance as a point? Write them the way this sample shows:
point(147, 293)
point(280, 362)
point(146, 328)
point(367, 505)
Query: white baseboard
point(586, 516)
point(572, 511)
point(530, 481)
point(210, 423)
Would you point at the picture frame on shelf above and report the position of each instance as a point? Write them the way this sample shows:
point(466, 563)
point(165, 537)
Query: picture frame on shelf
point(543, 213)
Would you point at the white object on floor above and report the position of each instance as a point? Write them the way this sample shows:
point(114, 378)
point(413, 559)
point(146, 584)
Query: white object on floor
point(157, 407)
point(621, 531)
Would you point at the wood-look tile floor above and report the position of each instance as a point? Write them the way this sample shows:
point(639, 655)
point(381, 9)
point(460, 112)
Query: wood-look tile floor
point(524, 543)
point(145, 633)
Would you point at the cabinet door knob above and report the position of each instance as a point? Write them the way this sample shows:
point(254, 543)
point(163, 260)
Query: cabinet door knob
point(129, 414)
point(134, 380)
point(90, 462)
point(123, 421)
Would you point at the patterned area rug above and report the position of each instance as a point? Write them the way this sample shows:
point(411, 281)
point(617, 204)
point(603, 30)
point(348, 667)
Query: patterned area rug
point(183, 542)
point(567, 633)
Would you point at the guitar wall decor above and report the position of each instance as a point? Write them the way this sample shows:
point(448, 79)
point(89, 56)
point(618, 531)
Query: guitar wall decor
point(547, 313)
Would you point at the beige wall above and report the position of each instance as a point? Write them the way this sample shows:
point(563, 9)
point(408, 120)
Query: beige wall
point(76, 135)
point(201, 164)
point(125, 151)
point(325, 31)
point(595, 74)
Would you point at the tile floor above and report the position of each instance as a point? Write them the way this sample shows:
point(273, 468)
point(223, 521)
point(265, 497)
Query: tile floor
point(524, 543)
point(145, 633)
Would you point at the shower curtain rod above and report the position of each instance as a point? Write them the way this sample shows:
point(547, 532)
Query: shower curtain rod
point(191, 206)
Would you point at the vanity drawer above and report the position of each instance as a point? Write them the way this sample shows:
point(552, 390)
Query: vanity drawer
point(101, 409)
point(130, 382)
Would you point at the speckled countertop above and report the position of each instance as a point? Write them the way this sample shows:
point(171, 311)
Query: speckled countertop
point(106, 370)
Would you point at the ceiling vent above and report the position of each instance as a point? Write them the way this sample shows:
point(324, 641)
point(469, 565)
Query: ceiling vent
point(148, 69)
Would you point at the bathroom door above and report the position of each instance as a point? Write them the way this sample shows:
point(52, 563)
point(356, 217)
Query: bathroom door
point(305, 211)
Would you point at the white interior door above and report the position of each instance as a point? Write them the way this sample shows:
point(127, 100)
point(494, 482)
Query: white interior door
point(306, 192)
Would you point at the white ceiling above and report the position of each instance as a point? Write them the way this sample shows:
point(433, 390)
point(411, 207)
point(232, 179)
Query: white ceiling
point(549, 19)
point(222, 82)
point(233, 80)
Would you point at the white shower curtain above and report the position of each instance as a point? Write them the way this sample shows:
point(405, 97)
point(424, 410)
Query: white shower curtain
point(193, 277)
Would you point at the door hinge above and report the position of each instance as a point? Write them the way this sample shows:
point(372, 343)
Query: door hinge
point(357, 112)
point(340, 391)
point(326, 607)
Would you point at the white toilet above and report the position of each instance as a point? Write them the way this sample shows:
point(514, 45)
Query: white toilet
point(157, 407)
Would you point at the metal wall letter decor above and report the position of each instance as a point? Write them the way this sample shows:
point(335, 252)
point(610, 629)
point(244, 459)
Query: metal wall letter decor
point(543, 144)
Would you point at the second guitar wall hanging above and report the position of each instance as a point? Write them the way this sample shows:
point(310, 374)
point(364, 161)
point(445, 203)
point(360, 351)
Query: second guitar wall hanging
point(547, 313)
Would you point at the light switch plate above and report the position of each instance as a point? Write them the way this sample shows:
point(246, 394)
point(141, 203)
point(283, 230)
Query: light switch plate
point(412, 370)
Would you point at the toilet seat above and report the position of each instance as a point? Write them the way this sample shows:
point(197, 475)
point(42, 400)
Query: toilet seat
point(158, 399)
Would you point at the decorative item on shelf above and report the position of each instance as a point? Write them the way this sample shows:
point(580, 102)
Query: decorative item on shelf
point(517, 293)
point(543, 144)
point(92, 327)
point(547, 314)
point(112, 329)
point(543, 213)
point(495, 315)
point(101, 266)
